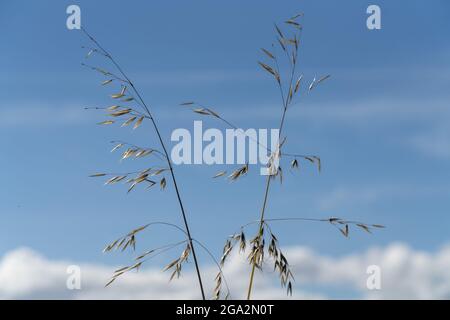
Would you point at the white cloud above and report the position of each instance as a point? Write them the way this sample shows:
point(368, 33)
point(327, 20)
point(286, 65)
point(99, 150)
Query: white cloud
point(406, 274)
point(25, 274)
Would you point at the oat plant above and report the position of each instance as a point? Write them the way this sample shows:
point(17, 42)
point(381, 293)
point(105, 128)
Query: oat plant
point(130, 109)
point(281, 64)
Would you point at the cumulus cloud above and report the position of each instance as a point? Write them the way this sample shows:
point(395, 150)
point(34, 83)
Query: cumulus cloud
point(26, 274)
point(405, 274)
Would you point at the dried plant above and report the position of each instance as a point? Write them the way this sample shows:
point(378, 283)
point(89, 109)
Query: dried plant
point(130, 109)
point(290, 86)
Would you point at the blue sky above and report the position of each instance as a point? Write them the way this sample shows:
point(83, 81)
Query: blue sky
point(380, 124)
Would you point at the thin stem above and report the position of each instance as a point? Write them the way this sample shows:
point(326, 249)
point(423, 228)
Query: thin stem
point(217, 264)
point(285, 101)
point(166, 224)
point(261, 224)
point(233, 126)
point(169, 163)
point(114, 76)
point(288, 219)
point(163, 249)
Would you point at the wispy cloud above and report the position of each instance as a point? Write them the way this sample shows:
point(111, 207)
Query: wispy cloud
point(195, 77)
point(405, 274)
point(344, 196)
point(434, 142)
point(376, 111)
point(40, 115)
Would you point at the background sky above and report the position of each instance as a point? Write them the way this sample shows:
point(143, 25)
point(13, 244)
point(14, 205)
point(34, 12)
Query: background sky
point(380, 124)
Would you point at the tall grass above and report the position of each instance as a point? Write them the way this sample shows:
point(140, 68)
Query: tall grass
point(281, 65)
point(129, 94)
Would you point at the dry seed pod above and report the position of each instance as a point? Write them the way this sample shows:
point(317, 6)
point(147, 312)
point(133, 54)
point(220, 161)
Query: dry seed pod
point(120, 145)
point(129, 121)
point(268, 53)
point(97, 175)
point(106, 122)
point(138, 123)
point(117, 96)
point(163, 183)
point(120, 113)
point(220, 174)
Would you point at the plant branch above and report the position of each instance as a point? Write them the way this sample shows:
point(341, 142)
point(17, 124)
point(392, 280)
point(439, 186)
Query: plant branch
point(169, 163)
point(285, 101)
point(216, 263)
point(263, 210)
